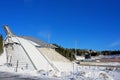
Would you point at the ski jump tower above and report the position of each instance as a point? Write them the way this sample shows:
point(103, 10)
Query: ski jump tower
point(26, 53)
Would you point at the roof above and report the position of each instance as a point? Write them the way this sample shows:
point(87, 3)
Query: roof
point(38, 41)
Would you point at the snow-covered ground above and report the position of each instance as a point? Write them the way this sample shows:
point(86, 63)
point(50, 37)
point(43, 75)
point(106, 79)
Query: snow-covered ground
point(13, 76)
point(110, 56)
point(80, 73)
point(112, 72)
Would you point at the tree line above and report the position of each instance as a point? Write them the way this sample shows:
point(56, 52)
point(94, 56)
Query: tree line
point(115, 52)
point(70, 52)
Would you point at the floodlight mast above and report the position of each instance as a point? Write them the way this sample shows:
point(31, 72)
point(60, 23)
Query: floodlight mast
point(75, 47)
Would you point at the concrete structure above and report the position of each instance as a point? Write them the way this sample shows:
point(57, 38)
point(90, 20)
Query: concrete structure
point(29, 53)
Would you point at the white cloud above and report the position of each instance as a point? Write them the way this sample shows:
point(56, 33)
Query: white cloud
point(114, 44)
point(45, 31)
point(44, 34)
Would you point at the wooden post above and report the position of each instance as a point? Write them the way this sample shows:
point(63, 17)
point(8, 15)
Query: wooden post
point(17, 66)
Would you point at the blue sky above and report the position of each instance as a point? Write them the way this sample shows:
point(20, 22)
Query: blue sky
point(94, 24)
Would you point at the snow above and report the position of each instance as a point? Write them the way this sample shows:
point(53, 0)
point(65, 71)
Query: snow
point(2, 58)
point(80, 73)
point(34, 54)
point(93, 71)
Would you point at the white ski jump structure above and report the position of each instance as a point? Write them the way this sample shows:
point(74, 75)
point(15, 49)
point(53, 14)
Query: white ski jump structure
point(26, 53)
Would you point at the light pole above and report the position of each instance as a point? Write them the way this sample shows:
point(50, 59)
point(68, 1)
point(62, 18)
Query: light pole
point(75, 46)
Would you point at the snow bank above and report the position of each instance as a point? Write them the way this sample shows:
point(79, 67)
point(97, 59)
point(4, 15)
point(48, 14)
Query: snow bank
point(3, 58)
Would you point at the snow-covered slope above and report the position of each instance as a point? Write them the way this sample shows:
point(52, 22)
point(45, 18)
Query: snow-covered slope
point(27, 54)
point(62, 63)
point(3, 58)
point(53, 55)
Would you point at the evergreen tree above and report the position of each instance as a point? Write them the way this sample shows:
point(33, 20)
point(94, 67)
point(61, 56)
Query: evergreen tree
point(1, 44)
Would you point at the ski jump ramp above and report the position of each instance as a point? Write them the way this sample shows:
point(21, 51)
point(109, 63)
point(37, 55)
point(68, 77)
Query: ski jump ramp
point(23, 53)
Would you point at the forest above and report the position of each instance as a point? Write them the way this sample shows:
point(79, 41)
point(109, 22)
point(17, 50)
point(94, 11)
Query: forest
point(70, 52)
